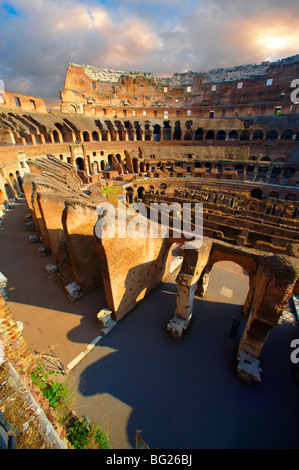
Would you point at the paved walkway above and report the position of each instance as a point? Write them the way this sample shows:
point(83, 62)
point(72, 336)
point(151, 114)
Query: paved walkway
point(49, 318)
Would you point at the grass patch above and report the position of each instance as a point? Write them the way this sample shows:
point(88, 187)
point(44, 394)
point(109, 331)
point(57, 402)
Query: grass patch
point(81, 433)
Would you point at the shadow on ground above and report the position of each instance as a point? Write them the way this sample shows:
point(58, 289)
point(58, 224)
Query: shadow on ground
point(184, 393)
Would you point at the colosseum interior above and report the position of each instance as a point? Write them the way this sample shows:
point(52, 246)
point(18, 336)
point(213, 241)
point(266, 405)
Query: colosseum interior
point(227, 138)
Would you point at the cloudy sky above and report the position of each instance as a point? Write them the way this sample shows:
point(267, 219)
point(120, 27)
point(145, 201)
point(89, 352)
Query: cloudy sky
point(39, 38)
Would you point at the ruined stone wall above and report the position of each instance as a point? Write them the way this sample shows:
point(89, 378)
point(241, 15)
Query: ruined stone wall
point(245, 87)
point(131, 268)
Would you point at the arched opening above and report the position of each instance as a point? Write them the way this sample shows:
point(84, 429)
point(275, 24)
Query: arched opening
point(56, 136)
point(129, 195)
point(287, 134)
point(162, 188)
point(198, 134)
point(265, 159)
point(291, 197)
point(9, 192)
point(272, 134)
point(95, 136)
point(140, 192)
point(261, 173)
point(177, 135)
point(14, 184)
point(103, 165)
point(138, 131)
point(279, 160)
point(233, 135)
point(147, 132)
point(273, 194)
point(225, 286)
point(250, 169)
point(245, 135)
point(166, 131)
point(173, 259)
point(129, 128)
point(80, 164)
point(275, 172)
point(258, 135)
point(157, 132)
point(135, 165)
point(95, 166)
point(256, 193)
point(208, 167)
point(289, 172)
point(86, 136)
point(252, 158)
point(221, 135)
point(240, 169)
point(210, 135)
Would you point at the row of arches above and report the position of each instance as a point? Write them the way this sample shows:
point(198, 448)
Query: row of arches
point(13, 187)
point(67, 131)
point(166, 132)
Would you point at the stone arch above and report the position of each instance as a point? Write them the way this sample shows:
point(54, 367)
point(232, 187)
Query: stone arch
point(258, 135)
point(166, 131)
point(14, 184)
point(129, 129)
point(198, 134)
point(80, 164)
point(95, 167)
point(9, 192)
point(240, 169)
point(86, 136)
point(147, 132)
point(272, 134)
point(140, 192)
point(135, 165)
point(291, 197)
point(56, 136)
point(233, 135)
point(177, 134)
point(287, 134)
point(256, 193)
point(245, 135)
point(274, 194)
point(289, 172)
point(72, 109)
point(221, 135)
point(95, 136)
point(210, 135)
point(157, 132)
point(65, 132)
point(138, 130)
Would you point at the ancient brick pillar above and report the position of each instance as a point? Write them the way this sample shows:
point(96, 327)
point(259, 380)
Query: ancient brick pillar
point(274, 285)
point(193, 265)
